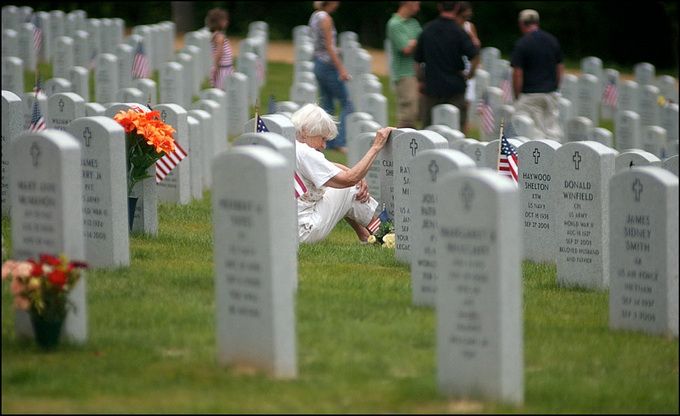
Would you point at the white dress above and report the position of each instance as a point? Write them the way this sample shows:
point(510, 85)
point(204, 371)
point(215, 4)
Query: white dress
point(321, 207)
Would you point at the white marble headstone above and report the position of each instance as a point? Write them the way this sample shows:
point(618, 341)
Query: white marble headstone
point(480, 352)
point(405, 147)
point(536, 184)
point(643, 294)
point(46, 202)
point(105, 209)
point(582, 172)
point(427, 168)
point(255, 263)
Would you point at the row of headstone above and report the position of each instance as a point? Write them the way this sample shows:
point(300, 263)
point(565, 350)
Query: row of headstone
point(563, 197)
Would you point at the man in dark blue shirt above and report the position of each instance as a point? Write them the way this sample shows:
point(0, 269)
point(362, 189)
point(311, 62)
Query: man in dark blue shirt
point(537, 71)
point(441, 47)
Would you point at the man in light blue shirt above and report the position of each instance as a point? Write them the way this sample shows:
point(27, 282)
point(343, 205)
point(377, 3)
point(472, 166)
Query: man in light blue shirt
point(402, 31)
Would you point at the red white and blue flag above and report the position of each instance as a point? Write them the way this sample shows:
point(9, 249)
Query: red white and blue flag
point(37, 119)
point(610, 94)
point(374, 225)
point(168, 162)
point(486, 116)
point(37, 35)
point(298, 184)
point(506, 88)
point(140, 63)
point(508, 161)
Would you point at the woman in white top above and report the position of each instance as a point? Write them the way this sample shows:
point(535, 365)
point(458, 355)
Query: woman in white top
point(334, 191)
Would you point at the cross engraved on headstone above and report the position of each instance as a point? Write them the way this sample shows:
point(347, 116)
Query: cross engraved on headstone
point(467, 194)
point(478, 154)
point(536, 155)
point(413, 146)
point(631, 164)
point(35, 152)
point(61, 105)
point(433, 168)
point(87, 135)
point(637, 189)
point(577, 159)
point(164, 114)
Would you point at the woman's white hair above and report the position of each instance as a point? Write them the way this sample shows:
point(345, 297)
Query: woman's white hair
point(312, 120)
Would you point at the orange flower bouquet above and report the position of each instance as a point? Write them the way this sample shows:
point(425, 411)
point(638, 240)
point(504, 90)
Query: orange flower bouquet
point(148, 138)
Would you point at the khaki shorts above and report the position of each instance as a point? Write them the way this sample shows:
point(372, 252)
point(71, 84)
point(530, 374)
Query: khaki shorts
point(544, 110)
point(407, 102)
point(429, 102)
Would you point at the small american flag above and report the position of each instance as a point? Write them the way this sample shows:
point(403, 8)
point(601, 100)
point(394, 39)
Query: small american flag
point(506, 88)
point(507, 159)
point(37, 119)
point(374, 225)
point(168, 162)
point(298, 184)
point(37, 34)
point(486, 114)
point(610, 94)
point(140, 63)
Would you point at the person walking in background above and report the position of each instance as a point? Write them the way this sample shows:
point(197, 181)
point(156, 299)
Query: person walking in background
point(329, 70)
point(537, 70)
point(441, 47)
point(463, 16)
point(403, 31)
point(217, 21)
point(334, 191)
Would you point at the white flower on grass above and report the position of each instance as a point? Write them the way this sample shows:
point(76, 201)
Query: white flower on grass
point(388, 240)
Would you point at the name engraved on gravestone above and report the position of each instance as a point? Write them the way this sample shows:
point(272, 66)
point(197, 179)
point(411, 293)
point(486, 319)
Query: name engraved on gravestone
point(643, 293)
point(427, 168)
point(105, 215)
point(537, 200)
point(405, 147)
point(479, 287)
point(582, 172)
point(63, 108)
point(47, 212)
point(255, 264)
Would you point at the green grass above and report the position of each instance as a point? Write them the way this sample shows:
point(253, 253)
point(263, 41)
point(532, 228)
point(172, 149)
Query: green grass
point(362, 347)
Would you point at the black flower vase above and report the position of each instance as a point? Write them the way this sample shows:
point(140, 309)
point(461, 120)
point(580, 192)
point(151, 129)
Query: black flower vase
point(47, 332)
point(132, 204)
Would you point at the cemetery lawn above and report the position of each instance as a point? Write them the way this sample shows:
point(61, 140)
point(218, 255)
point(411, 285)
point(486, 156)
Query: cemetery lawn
point(362, 347)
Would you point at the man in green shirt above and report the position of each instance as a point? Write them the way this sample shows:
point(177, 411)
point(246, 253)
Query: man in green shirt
point(402, 31)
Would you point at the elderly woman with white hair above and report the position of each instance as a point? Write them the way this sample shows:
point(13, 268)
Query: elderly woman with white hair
point(334, 191)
